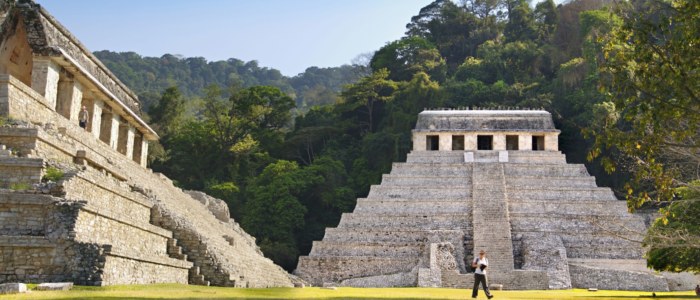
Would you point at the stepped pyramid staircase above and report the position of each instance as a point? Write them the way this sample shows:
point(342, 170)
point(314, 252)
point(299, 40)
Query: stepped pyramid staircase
point(543, 222)
point(111, 221)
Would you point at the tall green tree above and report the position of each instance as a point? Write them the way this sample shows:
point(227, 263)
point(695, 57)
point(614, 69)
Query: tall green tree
point(408, 56)
point(370, 92)
point(274, 212)
point(546, 19)
point(168, 113)
point(521, 22)
point(450, 28)
point(651, 77)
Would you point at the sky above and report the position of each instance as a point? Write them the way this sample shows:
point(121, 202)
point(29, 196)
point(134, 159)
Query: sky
point(281, 34)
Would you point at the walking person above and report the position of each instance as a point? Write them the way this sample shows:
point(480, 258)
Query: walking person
point(83, 117)
point(480, 264)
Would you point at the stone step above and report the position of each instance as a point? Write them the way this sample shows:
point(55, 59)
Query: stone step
point(383, 249)
point(583, 276)
point(174, 250)
point(590, 245)
point(415, 222)
point(436, 153)
point(492, 231)
point(583, 194)
point(569, 170)
point(16, 170)
point(377, 191)
point(639, 265)
point(427, 169)
point(396, 236)
point(515, 183)
point(405, 201)
point(25, 241)
point(536, 157)
point(332, 269)
point(437, 157)
point(412, 207)
point(24, 214)
point(594, 207)
point(404, 180)
point(605, 224)
point(156, 258)
point(196, 278)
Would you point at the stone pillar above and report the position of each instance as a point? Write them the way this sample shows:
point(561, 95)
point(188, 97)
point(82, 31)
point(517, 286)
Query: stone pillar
point(551, 142)
point(499, 141)
point(96, 117)
point(70, 94)
point(525, 142)
point(470, 142)
point(45, 75)
point(144, 153)
point(130, 141)
point(419, 141)
point(445, 141)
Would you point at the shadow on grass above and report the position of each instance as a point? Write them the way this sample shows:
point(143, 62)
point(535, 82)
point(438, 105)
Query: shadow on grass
point(251, 298)
point(642, 296)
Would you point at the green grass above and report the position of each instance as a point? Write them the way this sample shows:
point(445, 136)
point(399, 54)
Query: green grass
point(53, 174)
point(20, 186)
point(175, 291)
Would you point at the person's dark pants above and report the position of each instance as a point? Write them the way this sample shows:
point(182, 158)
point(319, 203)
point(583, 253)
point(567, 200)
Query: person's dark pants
point(480, 278)
point(82, 124)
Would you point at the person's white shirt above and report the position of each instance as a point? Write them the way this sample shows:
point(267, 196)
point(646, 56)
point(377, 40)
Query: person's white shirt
point(479, 262)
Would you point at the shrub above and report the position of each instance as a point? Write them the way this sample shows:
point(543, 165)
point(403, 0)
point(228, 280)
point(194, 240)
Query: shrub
point(20, 186)
point(53, 174)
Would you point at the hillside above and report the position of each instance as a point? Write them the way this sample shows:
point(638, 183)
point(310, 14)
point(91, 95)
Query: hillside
point(150, 76)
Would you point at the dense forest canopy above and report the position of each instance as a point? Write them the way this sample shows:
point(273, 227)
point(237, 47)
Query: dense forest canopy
point(621, 80)
point(150, 76)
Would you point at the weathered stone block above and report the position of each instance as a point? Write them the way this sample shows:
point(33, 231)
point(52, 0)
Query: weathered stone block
point(216, 206)
point(13, 288)
point(54, 286)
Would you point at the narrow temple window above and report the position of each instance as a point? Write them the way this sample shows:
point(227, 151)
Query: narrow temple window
point(511, 142)
point(432, 143)
point(484, 142)
point(457, 142)
point(537, 142)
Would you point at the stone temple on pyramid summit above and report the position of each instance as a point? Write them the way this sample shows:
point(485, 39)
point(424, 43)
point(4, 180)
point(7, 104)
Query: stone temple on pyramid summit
point(490, 180)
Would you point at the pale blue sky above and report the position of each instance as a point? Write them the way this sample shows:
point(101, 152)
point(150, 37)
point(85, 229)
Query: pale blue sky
point(282, 34)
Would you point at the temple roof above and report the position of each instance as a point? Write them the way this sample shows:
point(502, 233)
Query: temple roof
point(485, 120)
point(47, 37)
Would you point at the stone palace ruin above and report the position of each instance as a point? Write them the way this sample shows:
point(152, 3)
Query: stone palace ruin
point(491, 180)
point(108, 219)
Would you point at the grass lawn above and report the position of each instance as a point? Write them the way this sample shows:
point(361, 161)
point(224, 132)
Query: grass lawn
point(175, 291)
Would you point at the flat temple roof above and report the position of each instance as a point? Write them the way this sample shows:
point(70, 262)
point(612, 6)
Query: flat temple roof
point(485, 120)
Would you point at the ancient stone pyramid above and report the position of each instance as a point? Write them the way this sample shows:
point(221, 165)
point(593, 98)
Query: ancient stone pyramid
point(491, 180)
point(106, 219)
